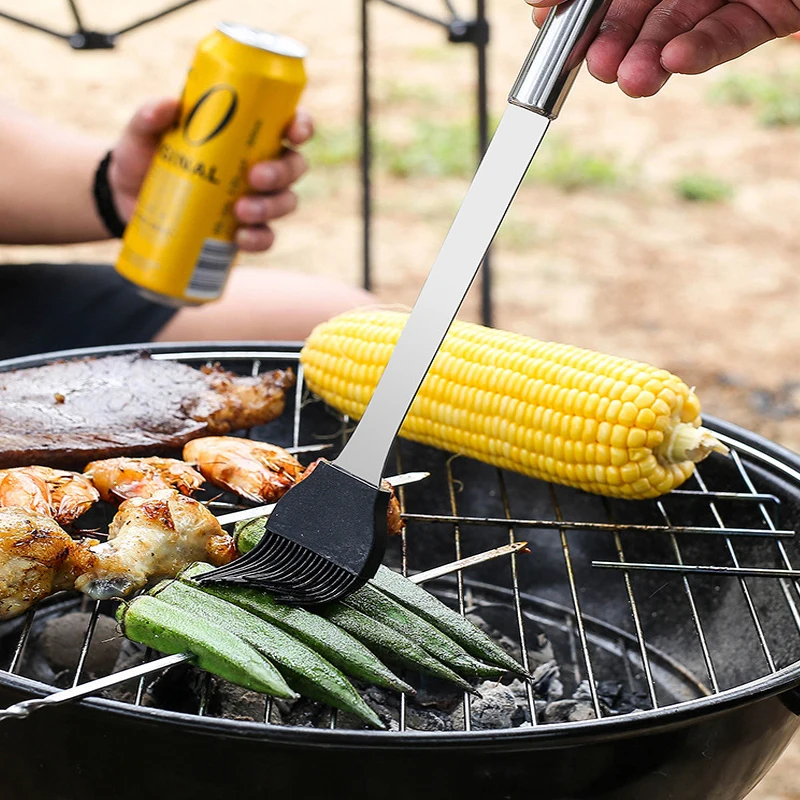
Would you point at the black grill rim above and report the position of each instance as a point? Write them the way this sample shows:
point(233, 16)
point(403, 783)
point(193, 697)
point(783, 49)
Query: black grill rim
point(786, 680)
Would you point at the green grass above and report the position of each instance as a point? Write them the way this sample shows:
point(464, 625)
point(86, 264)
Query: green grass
point(700, 188)
point(394, 93)
point(559, 164)
point(775, 98)
point(332, 147)
point(433, 150)
point(449, 150)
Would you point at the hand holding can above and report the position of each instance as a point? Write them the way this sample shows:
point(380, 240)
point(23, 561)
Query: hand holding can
point(240, 95)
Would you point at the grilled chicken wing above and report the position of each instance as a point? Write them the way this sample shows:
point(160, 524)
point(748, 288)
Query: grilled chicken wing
point(54, 492)
point(154, 537)
point(259, 471)
point(119, 479)
point(36, 558)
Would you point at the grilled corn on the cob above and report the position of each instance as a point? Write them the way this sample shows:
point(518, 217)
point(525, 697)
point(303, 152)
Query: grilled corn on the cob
point(553, 411)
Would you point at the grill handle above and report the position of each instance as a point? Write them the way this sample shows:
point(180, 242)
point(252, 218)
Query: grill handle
point(556, 56)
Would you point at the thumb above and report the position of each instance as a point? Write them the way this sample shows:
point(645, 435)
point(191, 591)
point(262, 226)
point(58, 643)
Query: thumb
point(152, 119)
point(135, 148)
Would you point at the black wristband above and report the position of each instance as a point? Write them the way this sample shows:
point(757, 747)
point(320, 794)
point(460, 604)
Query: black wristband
point(104, 201)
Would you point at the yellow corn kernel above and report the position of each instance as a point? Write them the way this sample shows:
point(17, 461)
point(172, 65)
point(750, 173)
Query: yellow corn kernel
point(552, 411)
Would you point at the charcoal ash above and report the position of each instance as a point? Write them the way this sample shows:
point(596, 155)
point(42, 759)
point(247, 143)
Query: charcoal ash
point(434, 693)
point(305, 713)
point(131, 654)
point(59, 641)
point(235, 702)
point(568, 711)
point(495, 707)
point(540, 650)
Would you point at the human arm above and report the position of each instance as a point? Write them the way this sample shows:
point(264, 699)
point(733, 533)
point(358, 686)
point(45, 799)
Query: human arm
point(48, 172)
point(642, 42)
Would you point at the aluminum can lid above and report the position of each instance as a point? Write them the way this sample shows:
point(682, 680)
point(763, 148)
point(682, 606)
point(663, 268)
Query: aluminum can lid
point(254, 37)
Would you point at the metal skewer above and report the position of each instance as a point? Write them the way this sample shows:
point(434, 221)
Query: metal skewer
point(23, 709)
point(266, 510)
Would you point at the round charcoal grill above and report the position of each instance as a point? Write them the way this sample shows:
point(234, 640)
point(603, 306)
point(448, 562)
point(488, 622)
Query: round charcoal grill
point(685, 607)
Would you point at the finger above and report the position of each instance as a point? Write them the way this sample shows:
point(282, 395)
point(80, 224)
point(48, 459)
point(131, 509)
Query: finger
point(301, 128)
point(254, 240)
point(259, 210)
point(641, 74)
point(617, 33)
point(135, 147)
point(153, 118)
point(729, 32)
point(274, 176)
point(537, 4)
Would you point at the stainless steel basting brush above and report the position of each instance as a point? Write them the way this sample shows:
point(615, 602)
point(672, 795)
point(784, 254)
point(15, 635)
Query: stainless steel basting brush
point(326, 536)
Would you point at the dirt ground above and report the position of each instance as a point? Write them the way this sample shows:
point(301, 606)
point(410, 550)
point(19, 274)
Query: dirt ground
point(707, 289)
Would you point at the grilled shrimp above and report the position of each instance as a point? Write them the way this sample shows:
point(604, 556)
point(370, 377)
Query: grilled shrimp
point(119, 479)
point(36, 558)
point(42, 490)
point(258, 471)
point(154, 537)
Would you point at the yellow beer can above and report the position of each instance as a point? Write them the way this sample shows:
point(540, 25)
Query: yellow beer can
point(241, 93)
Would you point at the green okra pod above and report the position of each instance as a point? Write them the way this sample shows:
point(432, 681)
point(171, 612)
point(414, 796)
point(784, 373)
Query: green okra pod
point(378, 606)
point(170, 630)
point(423, 603)
point(330, 641)
point(247, 534)
point(391, 644)
point(306, 670)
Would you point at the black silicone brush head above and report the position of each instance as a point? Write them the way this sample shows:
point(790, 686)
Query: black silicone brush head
point(325, 538)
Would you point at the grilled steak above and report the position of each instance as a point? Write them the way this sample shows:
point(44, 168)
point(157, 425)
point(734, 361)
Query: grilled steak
point(68, 413)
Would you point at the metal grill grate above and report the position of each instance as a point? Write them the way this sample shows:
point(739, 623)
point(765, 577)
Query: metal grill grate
point(679, 599)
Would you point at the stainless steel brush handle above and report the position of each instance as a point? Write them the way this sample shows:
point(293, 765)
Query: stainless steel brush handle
point(556, 56)
point(545, 79)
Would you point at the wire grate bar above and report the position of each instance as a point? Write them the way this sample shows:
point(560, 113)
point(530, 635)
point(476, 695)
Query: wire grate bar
point(205, 695)
point(87, 643)
point(712, 673)
point(742, 583)
point(298, 402)
point(739, 497)
point(702, 569)
point(518, 602)
point(140, 686)
point(401, 499)
point(19, 649)
point(785, 587)
point(637, 624)
point(451, 490)
point(229, 355)
point(607, 527)
point(268, 706)
point(573, 589)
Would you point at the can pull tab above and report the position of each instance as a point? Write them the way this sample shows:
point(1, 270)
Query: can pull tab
point(556, 56)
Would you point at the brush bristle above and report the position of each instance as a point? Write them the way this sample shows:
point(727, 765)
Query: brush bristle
point(293, 574)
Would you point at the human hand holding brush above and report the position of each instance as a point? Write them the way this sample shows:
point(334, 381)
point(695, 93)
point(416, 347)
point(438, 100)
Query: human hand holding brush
point(642, 42)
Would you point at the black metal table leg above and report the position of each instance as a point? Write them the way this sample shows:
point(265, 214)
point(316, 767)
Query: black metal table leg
point(459, 30)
